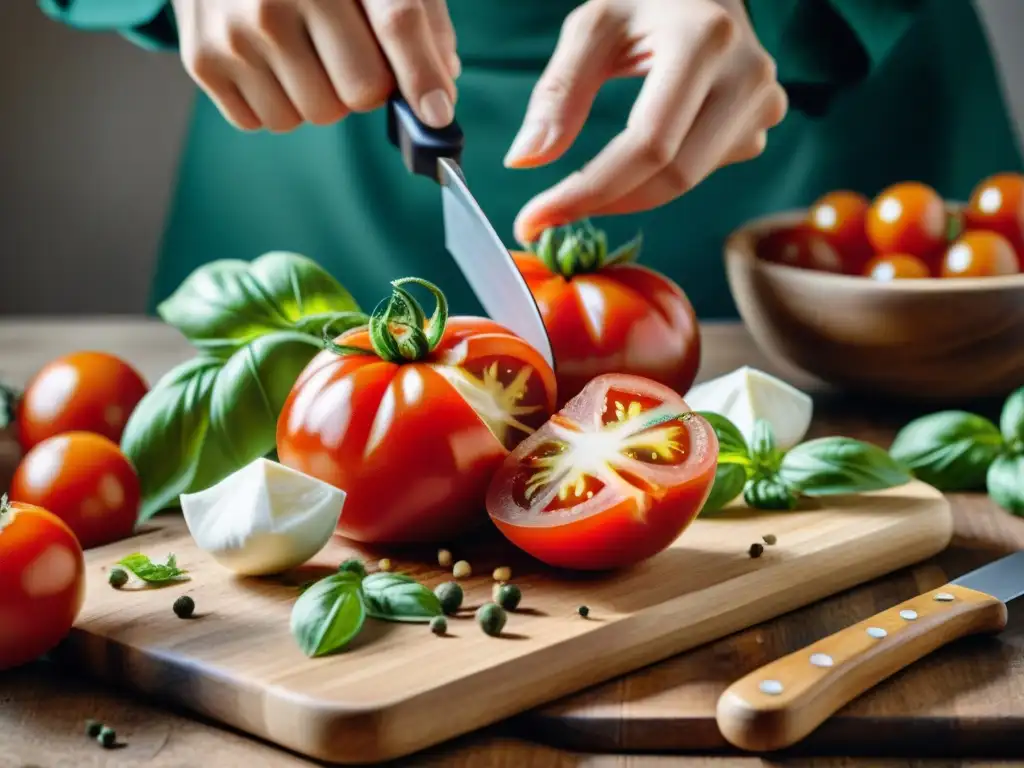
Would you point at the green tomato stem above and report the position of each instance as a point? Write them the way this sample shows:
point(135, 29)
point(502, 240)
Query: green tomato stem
point(580, 248)
point(399, 329)
point(6, 513)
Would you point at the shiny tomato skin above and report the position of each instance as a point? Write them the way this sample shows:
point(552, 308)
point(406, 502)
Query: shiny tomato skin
point(800, 247)
point(42, 583)
point(622, 517)
point(908, 217)
point(980, 253)
point(80, 392)
point(840, 217)
point(86, 481)
point(413, 455)
point(896, 266)
point(997, 204)
point(623, 318)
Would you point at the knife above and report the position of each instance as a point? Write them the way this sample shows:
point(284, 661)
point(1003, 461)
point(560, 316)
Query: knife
point(469, 237)
point(780, 703)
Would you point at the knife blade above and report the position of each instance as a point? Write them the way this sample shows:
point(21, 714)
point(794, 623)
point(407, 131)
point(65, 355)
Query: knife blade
point(469, 237)
point(780, 703)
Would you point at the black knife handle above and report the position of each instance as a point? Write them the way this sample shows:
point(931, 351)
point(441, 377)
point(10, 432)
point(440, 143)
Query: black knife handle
point(421, 145)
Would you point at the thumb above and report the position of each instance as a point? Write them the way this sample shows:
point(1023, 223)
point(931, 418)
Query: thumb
point(561, 101)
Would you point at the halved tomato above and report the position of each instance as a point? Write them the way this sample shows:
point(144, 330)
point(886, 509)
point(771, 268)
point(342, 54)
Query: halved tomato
point(411, 417)
point(612, 479)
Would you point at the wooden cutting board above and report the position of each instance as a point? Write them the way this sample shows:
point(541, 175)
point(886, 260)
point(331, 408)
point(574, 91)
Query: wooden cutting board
point(398, 688)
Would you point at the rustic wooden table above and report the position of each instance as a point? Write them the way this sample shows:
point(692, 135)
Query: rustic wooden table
point(967, 700)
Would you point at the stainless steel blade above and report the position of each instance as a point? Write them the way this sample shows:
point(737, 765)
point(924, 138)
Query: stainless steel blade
point(486, 262)
point(1003, 579)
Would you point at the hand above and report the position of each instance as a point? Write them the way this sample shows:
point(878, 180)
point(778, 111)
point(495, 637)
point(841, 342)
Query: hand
point(276, 64)
point(709, 96)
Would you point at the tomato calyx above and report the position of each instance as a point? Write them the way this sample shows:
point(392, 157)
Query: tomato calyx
point(8, 405)
point(399, 329)
point(580, 248)
point(6, 512)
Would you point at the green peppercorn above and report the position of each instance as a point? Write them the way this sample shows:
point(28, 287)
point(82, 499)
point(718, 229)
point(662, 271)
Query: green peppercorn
point(107, 737)
point(439, 625)
point(118, 578)
point(184, 607)
point(450, 595)
point(583, 611)
point(769, 539)
point(93, 728)
point(491, 618)
point(507, 596)
point(354, 566)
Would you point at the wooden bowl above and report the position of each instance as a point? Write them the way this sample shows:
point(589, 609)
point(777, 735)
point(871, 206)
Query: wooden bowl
point(927, 339)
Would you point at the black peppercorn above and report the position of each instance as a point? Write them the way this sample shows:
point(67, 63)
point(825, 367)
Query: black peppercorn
point(184, 607)
point(583, 611)
point(756, 549)
point(107, 737)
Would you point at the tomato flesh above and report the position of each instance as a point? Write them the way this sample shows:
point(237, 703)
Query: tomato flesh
point(42, 582)
point(612, 479)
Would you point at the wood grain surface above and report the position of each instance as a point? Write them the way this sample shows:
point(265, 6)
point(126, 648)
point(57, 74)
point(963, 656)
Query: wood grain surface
point(965, 700)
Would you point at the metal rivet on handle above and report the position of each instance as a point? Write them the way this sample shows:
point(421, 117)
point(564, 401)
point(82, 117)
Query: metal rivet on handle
point(821, 660)
point(771, 687)
point(944, 597)
point(908, 615)
point(877, 632)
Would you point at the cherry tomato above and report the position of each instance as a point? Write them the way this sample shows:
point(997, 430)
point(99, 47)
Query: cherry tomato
point(909, 218)
point(800, 247)
point(42, 582)
point(86, 481)
point(997, 204)
point(411, 419)
point(896, 266)
point(839, 218)
point(980, 253)
point(606, 314)
point(612, 479)
point(80, 392)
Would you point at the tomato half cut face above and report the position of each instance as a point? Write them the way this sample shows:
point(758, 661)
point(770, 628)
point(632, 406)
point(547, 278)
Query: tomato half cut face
point(612, 479)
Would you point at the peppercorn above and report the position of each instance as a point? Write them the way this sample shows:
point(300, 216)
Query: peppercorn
point(384, 565)
point(118, 578)
point(769, 539)
point(450, 595)
point(502, 574)
point(107, 737)
point(491, 618)
point(439, 625)
point(756, 549)
point(353, 566)
point(444, 558)
point(93, 728)
point(507, 596)
point(184, 607)
point(583, 611)
point(461, 570)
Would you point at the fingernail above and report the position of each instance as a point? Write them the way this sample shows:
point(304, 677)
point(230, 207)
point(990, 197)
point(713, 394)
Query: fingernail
point(437, 109)
point(531, 140)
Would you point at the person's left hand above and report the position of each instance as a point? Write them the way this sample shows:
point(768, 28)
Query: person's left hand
point(709, 96)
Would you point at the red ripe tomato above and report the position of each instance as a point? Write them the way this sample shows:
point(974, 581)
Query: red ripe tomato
point(80, 392)
point(997, 204)
point(839, 218)
point(411, 418)
point(86, 481)
point(896, 266)
point(800, 247)
point(42, 582)
point(980, 253)
point(908, 217)
point(613, 478)
point(605, 314)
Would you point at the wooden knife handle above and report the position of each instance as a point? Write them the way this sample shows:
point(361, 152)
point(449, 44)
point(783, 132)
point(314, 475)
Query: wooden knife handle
point(422, 146)
point(780, 703)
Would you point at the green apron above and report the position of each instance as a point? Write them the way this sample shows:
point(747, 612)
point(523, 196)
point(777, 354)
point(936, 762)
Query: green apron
point(880, 91)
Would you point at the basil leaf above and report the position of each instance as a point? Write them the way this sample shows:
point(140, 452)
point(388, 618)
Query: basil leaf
point(729, 482)
point(833, 465)
point(1011, 421)
point(769, 493)
point(730, 440)
point(1005, 482)
point(153, 573)
point(165, 432)
point(328, 614)
point(762, 441)
point(397, 597)
point(228, 303)
point(951, 450)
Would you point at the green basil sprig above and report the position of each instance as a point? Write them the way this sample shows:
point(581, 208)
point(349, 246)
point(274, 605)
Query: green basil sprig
point(397, 597)
point(146, 570)
point(961, 451)
point(770, 478)
point(256, 327)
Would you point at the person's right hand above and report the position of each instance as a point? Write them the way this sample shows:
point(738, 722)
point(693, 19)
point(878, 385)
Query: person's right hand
point(276, 64)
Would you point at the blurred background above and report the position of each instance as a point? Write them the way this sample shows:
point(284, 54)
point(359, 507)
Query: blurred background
point(90, 134)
